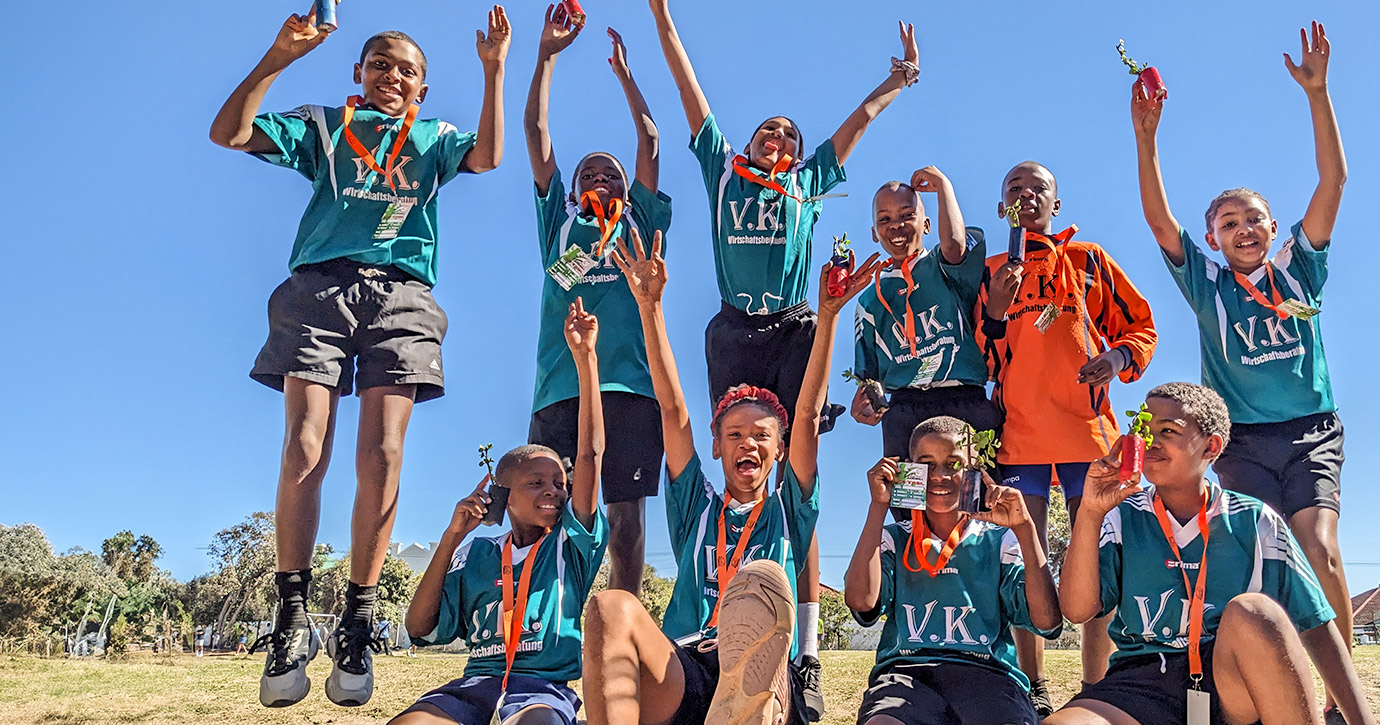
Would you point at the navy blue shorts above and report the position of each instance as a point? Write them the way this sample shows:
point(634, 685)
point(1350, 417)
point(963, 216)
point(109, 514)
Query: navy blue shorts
point(1154, 688)
point(471, 700)
point(1291, 466)
point(951, 693)
point(1035, 480)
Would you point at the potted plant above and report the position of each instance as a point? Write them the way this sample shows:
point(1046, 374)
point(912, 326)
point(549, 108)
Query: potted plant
point(982, 454)
point(1154, 85)
point(498, 494)
point(1134, 444)
point(842, 262)
point(876, 396)
point(1015, 251)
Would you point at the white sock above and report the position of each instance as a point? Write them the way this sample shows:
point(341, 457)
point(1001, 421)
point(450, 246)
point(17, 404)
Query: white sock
point(807, 626)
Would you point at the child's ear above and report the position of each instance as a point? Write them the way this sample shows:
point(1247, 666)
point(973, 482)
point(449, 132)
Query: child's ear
point(359, 77)
point(1214, 447)
point(875, 237)
point(1054, 210)
point(1212, 242)
point(714, 448)
point(1001, 207)
point(1274, 229)
point(925, 226)
point(421, 95)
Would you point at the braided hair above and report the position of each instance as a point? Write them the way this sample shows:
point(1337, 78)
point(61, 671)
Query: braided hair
point(750, 394)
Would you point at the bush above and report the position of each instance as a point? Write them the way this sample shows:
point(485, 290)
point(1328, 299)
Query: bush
point(117, 642)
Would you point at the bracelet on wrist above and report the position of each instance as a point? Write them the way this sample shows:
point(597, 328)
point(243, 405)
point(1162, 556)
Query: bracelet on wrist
point(910, 70)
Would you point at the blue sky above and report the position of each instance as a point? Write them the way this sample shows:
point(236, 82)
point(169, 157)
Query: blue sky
point(142, 256)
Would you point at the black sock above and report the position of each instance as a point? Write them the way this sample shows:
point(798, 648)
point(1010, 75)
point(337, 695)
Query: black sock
point(292, 598)
point(359, 606)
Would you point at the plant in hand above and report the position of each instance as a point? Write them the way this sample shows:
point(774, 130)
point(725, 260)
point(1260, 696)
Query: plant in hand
point(1016, 241)
point(498, 495)
point(842, 262)
point(1154, 85)
point(876, 396)
point(982, 454)
point(1134, 445)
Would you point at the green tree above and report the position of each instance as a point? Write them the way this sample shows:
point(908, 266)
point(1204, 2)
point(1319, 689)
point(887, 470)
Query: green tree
point(833, 621)
point(1059, 530)
point(42, 592)
point(397, 584)
point(246, 559)
point(656, 590)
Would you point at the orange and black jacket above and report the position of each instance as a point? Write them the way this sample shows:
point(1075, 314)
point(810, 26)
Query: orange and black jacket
point(1050, 416)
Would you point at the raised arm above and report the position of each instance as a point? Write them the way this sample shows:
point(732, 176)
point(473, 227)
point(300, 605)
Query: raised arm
point(648, 144)
point(814, 387)
point(953, 243)
point(691, 96)
point(1311, 75)
point(862, 583)
point(487, 151)
point(1007, 508)
point(848, 135)
point(425, 610)
point(556, 35)
point(1145, 118)
point(233, 126)
point(582, 334)
point(646, 276)
point(1080, 580)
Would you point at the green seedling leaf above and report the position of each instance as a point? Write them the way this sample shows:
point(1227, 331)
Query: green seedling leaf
point(1140, 424)
point(485, 461)
point(1013, 213)
point(1135, 67)
point(982, 448)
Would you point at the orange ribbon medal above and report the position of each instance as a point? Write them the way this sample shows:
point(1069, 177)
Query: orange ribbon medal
point(908, 324)
point(1197, 593)
point(727, 568)
point(920, 540)
point(607, 223)
point(1258, 296)
point(740, 168)
point(364, 155)
point(513, 616)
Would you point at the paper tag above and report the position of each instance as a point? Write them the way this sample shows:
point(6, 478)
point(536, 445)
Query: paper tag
point(909, 490)
point(394, 216)
point(571, 267)
point(928, 367)
point(1047, 317)
point(1298, 309)
point(1199, 707)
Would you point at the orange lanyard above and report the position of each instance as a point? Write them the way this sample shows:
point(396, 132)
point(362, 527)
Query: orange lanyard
point(740, 168)
point(364, 154)
point(513, 616)
point(920, 537)
point(908, 275)
point(1256, 295)
point(727, 568)
point(607, 223)
point(1197, 593)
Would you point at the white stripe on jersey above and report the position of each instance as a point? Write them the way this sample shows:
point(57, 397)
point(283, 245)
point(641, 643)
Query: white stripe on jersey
point(1211, 269)
point(1274, 542)
point(724, 176)
point(888, 543)
point(458, 560)
point(318, 116)
point(1011, 548)
point(1111, 528)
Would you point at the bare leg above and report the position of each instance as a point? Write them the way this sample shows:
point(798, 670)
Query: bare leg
point(883, 720)
point(632, 673)
point(1030, 647)
point(383, 416)
point(1097, 647)
point(1316, 530)
point(1259, 665)
point(310, 416)
point(535, 715)
point(423, 715)
point(1090, 712)
point(626, 547)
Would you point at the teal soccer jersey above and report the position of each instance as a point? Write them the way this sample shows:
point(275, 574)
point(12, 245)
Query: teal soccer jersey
point(964, 614)
point(354, 213)
point(761, 238)
point(942, 303)
point(472, 601)
point(1248, 348)
point(782, 533)
point(1250, 550)
point(622, 352)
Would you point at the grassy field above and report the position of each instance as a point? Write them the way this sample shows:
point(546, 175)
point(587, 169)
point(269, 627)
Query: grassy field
point(224, 689)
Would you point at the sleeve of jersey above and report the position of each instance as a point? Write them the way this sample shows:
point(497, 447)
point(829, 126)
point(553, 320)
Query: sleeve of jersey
point(584, 551)
point(1286, 576)
point(1109, 562)
point(711, 150)
point(1125, 318)
point(653, 211)
point(802, 514)
point(965, 277)
point(295, 134)
point(552, 214)
point(450, 622)
point(865, 360)
point(1304, 265)
point(1196, 276)
point(454, 145)
point(886, 593)
point(822, 171)
point(1013, 601)
point(687, 497)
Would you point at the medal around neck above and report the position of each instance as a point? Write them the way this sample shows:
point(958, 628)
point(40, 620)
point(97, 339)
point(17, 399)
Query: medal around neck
point(1301, 310)
point(571, 267)
point(1015, 251)
point(876, 395)
point(1154, 85)
point(325, 15)
point(498, 495)
point(1133, 446)
point(982, 454)
point(909, 490)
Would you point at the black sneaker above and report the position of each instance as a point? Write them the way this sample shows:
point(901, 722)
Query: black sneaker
point(1333, 716)
point(351, 682)
point(284, 681)
point(810, 672)
point(1039, 697)
point(830, 416)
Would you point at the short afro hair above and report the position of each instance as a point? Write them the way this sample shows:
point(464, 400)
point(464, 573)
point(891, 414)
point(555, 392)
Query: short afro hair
point(745, 394)
point(1200, 403)
point(945, 425)
point(1240, 193)
point(516, 457)
point(897, 186)
point(393, 35)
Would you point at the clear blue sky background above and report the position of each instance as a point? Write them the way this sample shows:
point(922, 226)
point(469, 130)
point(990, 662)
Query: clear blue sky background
point(141, 256)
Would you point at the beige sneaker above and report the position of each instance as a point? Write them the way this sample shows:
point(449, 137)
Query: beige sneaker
point(756, 623)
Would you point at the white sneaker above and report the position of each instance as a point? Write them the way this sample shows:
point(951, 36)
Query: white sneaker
point(284, 681)
point(351, 682)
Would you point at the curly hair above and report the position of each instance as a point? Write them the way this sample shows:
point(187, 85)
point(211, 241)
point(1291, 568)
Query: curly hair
point(392, 35)
point(1240, 193)
point(946, 425)
point(750, 395)
point(1200, 403)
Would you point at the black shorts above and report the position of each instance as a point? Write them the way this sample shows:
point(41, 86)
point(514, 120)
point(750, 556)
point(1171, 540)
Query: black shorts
point(769, 351)
point(911, 407)
point(950, 693)
point(1290, 466)
point(702, 677)
point(632, 441)
point(1153, 688)
point(352, 326)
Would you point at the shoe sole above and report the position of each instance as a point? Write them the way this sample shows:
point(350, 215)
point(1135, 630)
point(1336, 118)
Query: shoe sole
point(756, 623)
point(343, 697)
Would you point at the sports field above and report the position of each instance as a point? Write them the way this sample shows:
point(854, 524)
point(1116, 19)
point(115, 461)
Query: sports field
point(223, 689)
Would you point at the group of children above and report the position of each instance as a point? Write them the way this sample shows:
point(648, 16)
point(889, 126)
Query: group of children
point(1051, 322)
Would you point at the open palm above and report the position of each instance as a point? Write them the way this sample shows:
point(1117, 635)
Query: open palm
point(646, 274)
point(1311, 71)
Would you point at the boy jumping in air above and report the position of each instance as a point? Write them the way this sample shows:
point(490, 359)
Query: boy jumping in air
point(356, 313)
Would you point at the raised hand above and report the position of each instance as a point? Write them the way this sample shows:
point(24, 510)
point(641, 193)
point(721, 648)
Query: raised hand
point(1006, 281)
point(880, 479)
point(559, 31)
point(493, 48)
point(470, 512)
point(1101, 369)
point(858, 280)
point(581, 329)
point(1006, 503)
point(1311, 71)
point(862, 409)
point(619, 60)
point(646, 274)
point(928, 179)
point(299, 36)
point(908, 44)
point(1145, 111)
point(1102, 488)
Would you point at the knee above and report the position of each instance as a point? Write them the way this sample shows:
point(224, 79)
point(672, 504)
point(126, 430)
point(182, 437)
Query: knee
point(303, 451)
point(625, 526)
point(606, 614)
point(1255, 615)
point(386, 454)
point(1322, 552)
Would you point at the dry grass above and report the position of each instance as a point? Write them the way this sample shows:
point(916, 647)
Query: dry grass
point(224, 689)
